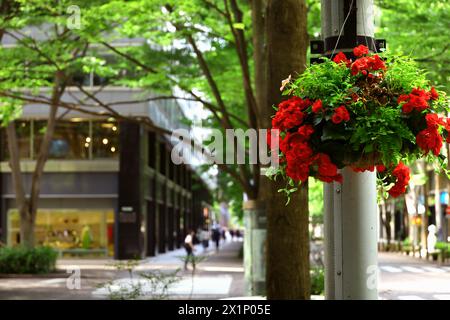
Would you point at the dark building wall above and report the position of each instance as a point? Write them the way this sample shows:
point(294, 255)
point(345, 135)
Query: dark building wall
point(128, 227)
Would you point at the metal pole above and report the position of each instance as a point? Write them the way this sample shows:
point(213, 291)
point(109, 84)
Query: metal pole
point(254, 248)
point(355, 208)
point(328, 220)
point(350, 216)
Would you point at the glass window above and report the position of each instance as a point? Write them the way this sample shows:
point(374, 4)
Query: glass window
point(69, 230)
point(23, 131)
point(70, 141)
point(105, 136)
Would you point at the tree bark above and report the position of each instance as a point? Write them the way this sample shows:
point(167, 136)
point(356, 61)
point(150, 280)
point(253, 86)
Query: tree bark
point(26, 237)
point(280, 44)
point(27, 207)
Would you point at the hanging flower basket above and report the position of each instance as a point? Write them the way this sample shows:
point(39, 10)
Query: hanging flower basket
point(376, 112)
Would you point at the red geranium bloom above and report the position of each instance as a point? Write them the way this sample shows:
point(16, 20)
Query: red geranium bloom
point(341, 57)
point(327, 170)
point(380, 168)
point(429, 140)
point(290, 113)
point(298, 171)
point(359, 65)
point(364, 65)
point(433, 93)
point(433, 120)
point(376, 63)
point(295, 147)
point(317, 106)
point(360, 50)
point(401, 172)
point(402, 98)
point(416, 100)
point(340, 114)
point(306, 131)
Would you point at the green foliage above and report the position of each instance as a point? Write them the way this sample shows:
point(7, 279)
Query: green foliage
point(317, 281)
point(403, 73)
point(419, 29)
point(444, 246)
point(27, 260)
point(315, 197)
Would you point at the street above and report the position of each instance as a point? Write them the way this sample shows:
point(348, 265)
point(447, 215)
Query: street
point(407, 278)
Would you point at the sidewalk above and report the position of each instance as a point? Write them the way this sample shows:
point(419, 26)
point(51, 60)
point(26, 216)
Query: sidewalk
point(221, 275)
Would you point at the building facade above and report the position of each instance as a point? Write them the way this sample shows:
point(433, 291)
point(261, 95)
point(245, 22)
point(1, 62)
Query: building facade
point(109, 188)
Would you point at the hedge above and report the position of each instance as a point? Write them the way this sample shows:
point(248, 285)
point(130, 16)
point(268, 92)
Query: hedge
point(21, 260)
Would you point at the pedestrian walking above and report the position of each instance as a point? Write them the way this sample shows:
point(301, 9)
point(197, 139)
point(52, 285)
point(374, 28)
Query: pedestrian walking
point(204, 238)
point(216, 234)
point(189, 246)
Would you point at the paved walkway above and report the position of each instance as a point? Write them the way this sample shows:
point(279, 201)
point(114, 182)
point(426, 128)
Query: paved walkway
point(221, 275)
point(406, 278)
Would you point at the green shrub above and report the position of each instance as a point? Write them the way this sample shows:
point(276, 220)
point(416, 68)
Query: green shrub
point(317, 281)
point(443, 246)
point(27, 260)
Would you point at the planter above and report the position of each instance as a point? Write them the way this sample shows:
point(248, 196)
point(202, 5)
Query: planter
point(377, 111)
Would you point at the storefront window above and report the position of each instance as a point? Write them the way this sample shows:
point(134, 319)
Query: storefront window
point(75, 139)
point(70, 140)
point(105, 137)
point(71, 231)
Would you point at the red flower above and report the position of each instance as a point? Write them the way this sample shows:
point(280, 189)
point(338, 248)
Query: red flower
point(360, 50)
point(298, 156)
point(416, 100)
point(295, 147)
point(298, 171)
point(306, 131)
point(376, 63)
point(402, 98)
point(290, 113)
point(401, 172)
point(429, 139)
point(341, 57)
point(433, 93)
point(327, 171)
point(317, 106)
point(433, 120)
point(367, 64)
point(340, 114)
point(381, 168)
point(359, 65)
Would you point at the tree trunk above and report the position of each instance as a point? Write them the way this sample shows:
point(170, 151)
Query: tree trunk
point(28, 207)
point(280, 44)
point(26, 237)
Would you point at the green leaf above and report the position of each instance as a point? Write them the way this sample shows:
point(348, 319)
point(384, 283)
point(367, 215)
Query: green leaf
point(240, 26)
